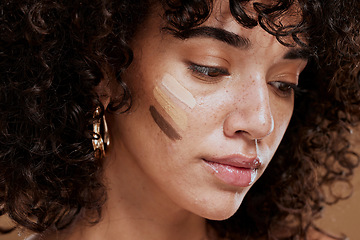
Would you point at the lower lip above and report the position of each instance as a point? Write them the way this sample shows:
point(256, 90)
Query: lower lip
point(241, 177)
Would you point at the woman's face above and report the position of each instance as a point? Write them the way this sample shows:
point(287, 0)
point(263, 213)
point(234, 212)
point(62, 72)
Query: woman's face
point(208, 114)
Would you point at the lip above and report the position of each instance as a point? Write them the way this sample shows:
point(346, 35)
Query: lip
point(236, 170)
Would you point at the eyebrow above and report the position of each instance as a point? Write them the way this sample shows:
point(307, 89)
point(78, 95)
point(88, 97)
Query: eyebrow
point(220, 34)
point(298, 53)
point(235, 40)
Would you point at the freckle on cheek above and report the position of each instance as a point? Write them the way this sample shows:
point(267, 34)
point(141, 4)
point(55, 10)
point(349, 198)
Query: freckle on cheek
point(164, 125)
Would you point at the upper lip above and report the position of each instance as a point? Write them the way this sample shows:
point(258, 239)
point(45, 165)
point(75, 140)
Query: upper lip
point(236, 160)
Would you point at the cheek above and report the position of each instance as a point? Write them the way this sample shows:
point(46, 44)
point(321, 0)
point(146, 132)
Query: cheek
point(163, 124)
point(281, 109)
point(173, 103)
point(282, 116)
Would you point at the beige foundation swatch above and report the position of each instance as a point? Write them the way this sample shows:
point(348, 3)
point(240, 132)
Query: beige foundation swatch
point(178, 91)
point(177, 114)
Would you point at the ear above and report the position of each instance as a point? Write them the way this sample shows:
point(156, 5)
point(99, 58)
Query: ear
point(106, 87)
point(103, 91)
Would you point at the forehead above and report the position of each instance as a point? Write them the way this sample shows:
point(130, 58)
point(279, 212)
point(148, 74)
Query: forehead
point(278, 18)
point(269, 13)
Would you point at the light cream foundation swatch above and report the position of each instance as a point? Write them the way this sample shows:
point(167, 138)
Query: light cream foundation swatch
point(168, 90)
point(178, 91)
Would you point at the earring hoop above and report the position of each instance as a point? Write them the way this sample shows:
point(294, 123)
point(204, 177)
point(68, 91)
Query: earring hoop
point(99, 143)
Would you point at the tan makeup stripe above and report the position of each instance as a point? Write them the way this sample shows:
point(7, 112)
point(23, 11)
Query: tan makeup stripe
point(176, 113)
point(178, 91)
point(163, 124)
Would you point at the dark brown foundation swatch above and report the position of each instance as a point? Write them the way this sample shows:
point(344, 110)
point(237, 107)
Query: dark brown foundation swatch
point(164, 125)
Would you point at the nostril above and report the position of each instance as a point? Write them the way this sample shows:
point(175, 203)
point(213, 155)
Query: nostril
point(239, 131)
point(257, 140)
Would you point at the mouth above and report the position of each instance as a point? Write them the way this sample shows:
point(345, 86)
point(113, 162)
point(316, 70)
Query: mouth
point(234, 170)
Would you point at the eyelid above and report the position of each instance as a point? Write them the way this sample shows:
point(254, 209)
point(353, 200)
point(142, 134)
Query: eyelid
point(286, 76)
point(286, 70)
point(222, 70)
point(203, 72)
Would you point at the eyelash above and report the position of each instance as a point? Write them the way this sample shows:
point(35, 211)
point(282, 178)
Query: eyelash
point(212, 74)
point(284, 89)
point(207, 73)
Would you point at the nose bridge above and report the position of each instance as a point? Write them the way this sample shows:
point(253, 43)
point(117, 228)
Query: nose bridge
point(252, 114)
point(259, 114)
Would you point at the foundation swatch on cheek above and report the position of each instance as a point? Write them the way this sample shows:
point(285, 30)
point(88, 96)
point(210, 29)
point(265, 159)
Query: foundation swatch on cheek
point(164, 125)
point(178, 91)
point(176, 113)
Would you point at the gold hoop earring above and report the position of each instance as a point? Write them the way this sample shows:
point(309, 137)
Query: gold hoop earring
point(99, 143)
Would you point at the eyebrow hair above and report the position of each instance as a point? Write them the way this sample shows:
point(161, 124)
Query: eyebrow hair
point(235, 40)
point(216, 33)
point(298, 53)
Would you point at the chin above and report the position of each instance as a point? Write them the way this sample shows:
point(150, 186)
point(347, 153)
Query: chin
point(223, 208)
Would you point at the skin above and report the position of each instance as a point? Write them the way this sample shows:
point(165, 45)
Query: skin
point(160, 188)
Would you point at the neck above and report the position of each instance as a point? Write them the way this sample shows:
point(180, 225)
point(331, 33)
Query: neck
point(136, 227)
point(133, 211)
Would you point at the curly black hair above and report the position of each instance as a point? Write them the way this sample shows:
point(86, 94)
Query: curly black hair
point(53, 55)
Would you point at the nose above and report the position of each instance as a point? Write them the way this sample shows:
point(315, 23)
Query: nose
point(251, 113)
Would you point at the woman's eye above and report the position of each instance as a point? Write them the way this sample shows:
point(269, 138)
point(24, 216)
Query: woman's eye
point(208, 73)
point(284, 89)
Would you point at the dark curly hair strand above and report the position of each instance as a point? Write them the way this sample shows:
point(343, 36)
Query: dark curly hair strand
point(53, 55)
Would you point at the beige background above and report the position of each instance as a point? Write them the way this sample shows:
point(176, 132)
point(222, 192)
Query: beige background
point(343, 217)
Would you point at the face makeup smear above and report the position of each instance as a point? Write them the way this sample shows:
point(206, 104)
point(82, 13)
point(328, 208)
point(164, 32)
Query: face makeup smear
point(177, 114)
point(178, 91)
point(170, 86)
point(163, 124)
